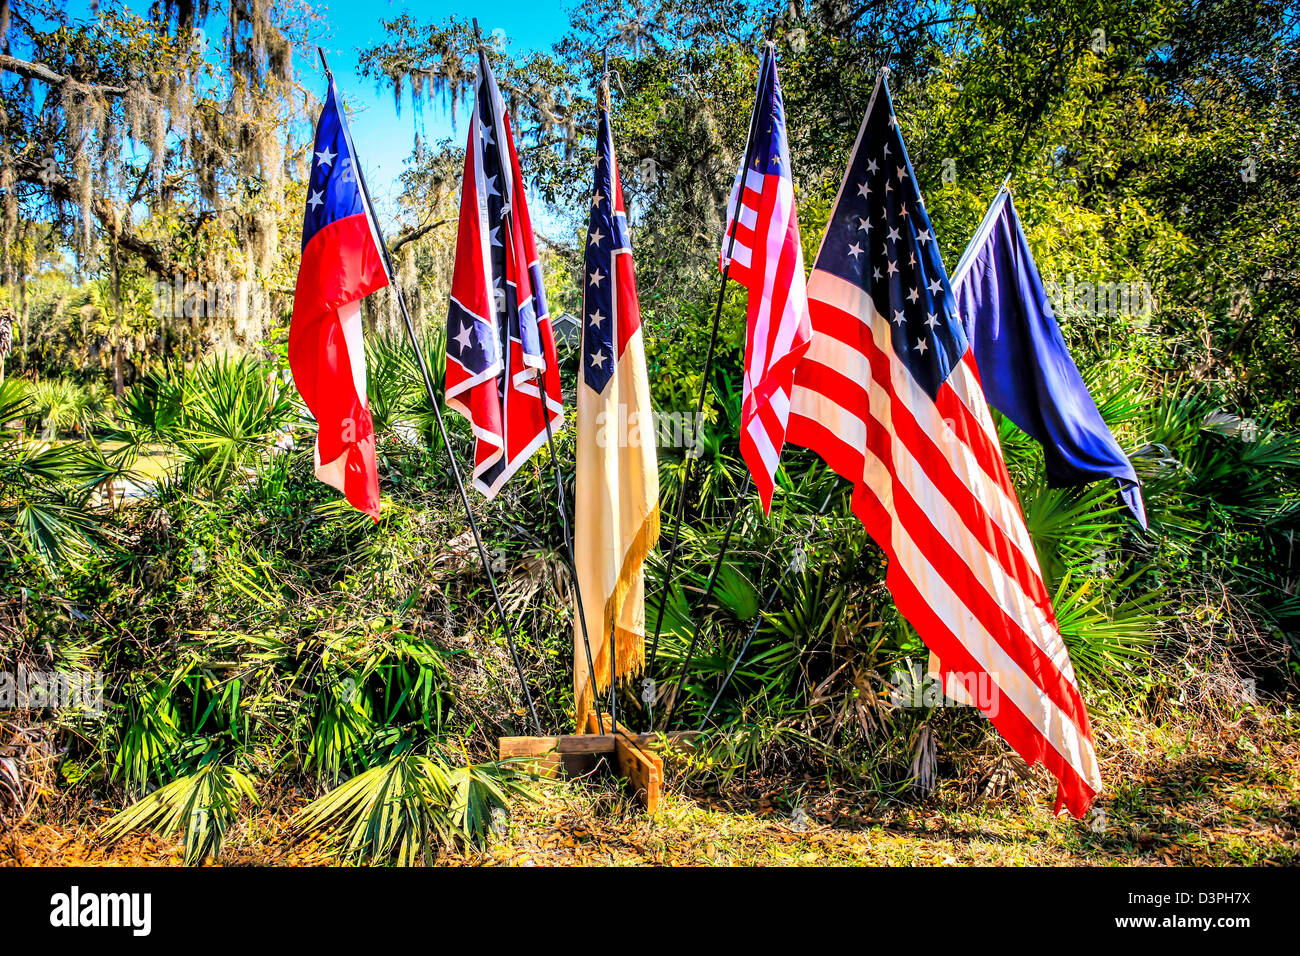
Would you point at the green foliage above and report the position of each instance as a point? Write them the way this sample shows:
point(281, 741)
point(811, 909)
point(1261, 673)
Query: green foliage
point(201, 806)
point(402, 810)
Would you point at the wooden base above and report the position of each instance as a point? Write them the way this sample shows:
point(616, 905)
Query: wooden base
point(632, 755)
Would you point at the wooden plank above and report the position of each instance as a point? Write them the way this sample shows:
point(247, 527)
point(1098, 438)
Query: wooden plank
point(644, 771)
point(566, 744)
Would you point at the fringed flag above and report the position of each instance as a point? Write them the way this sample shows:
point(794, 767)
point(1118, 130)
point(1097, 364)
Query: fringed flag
point(342, 263)
point(1024, 363)
point(499, 337)
point(767, 259)
point(888, 394)
point(618, 478)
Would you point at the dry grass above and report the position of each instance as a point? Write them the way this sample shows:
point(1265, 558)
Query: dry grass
point(1177, 797)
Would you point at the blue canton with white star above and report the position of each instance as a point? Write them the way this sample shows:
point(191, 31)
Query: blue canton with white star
point(333, 191)
point(607, 233)
point(880, 238)
point(771, 156)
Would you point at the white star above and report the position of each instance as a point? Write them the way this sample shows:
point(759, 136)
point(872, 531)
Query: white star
point(913, 296)
point(889, 187)
point(596, 237)
point(597, 317)
point(494, 236)
point(465, 338)
point(886, 149)
point(932, 321)
point(921, 346)
point(923, 235)
point(902, 173)
point(892, 267)
point(863, 225)
point(898, 318)
point(893, 234)
point(903, 211)
point(864, 190)
point(486, 132)
point(934, 285)
point(597, 278)
point(326, 158)
point(875, 273)
point(855, 250)
point(893, 121)
point(871, 166)
point(597, 199)
point(315, 200)
point(911, 260)
point(598, 360)
point(492, 186)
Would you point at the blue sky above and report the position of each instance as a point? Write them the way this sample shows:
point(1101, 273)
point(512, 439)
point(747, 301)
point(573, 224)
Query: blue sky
point(383, 138)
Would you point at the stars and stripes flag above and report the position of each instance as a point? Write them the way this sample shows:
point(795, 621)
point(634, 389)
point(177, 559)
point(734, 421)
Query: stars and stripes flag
point(342, 263)
point(617, 482)
point(767, 259)
point(889, 395)
point(499, 337)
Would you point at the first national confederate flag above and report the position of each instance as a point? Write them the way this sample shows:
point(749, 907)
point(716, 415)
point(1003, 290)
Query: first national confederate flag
point(342, 263)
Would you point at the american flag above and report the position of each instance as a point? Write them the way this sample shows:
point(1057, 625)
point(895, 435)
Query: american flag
point(499, 336)
point(767, 259)
point(342, 263)
point(889, 395)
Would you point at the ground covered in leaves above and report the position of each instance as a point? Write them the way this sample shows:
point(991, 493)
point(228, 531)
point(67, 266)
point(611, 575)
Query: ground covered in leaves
point(1233, 799)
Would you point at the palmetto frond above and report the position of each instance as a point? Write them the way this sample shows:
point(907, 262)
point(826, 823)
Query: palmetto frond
point(201, 806)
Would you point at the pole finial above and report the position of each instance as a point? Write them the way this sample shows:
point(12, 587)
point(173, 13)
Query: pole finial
point(324, 63)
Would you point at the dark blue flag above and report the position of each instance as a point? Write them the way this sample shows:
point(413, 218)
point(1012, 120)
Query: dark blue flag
point(1024, 365)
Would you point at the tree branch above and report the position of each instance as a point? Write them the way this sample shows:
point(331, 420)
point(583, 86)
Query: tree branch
point(39, 71)
point(416, 233)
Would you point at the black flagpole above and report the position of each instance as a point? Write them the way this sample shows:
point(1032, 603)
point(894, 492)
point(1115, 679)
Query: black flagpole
point(555, 462)
point(776, 588)
point(704, 383)
point(704, 601)
point(442, 430)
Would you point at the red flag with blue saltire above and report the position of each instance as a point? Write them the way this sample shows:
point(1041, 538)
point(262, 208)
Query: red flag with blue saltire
point(499, 337)
point(889, 395)
point(766, 257)
point(342, 263)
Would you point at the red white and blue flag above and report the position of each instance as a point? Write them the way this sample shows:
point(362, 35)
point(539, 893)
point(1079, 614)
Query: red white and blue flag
point(499, 338)
point(767, 259)
point(342, 263)
point(889, 395)
point(617, 481)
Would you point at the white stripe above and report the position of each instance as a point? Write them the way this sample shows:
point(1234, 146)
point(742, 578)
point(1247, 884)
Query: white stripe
point(763, 445)
point(350, 320)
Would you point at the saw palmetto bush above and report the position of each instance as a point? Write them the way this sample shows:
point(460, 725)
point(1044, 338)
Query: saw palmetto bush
point(44, 487)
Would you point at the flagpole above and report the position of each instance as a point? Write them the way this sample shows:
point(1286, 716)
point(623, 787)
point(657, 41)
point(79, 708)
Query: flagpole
point(744, 648)
point(613, 624)
point(442, 430)
point(555, 464)
point(704, 382)
point(704, 601)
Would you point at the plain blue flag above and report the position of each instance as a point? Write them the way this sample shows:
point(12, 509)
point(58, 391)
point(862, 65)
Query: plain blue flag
point(1023, 361)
